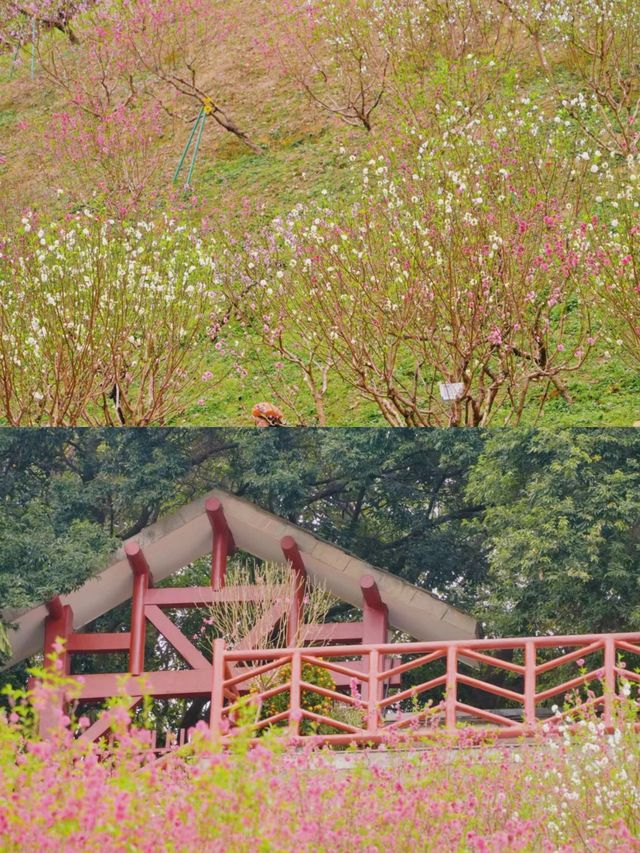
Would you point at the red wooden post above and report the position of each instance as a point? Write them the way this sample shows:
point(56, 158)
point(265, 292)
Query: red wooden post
point(58, 626)
point(223, 544)
point(452, 688)
point(374, 692)
point(295, 709)
point(375, 624)
point(292, 555)
point(141, 573)
point(609, 685)
point(217, 687)
point(530, 683)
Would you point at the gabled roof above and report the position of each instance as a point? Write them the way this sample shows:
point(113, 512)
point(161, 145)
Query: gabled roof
point(176, 540)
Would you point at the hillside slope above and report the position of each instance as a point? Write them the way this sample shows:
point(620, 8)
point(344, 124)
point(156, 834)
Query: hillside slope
point(300, 154)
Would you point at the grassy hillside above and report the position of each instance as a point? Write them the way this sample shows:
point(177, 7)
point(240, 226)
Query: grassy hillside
point(298, 141)
point(308, 156)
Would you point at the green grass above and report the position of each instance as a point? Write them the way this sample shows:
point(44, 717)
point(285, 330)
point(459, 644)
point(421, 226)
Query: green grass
point(289, 172)
point(231, 397)
point(8, 118)
point(606, 393)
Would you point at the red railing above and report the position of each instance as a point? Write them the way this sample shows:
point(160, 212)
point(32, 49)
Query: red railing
point(503, 685)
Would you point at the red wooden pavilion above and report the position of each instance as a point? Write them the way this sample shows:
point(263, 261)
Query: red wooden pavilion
point(377, 678)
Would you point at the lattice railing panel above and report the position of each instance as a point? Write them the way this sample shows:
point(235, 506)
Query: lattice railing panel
point(501, 687)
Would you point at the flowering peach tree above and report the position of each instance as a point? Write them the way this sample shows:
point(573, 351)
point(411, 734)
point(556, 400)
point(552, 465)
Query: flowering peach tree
point(350, 56)
point(455, 266)
point(135, 64)
point(613, 239)
point(20, 20)
point(100, 322)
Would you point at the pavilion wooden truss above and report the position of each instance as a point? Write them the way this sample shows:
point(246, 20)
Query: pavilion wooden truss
point(174, 542)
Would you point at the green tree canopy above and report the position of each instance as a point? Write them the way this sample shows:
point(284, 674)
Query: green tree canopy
point(561, 530)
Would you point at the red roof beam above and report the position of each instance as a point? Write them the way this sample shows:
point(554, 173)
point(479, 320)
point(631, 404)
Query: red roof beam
point(200, 596)
point(89, 643)
point(170, 684)
point(332, 632)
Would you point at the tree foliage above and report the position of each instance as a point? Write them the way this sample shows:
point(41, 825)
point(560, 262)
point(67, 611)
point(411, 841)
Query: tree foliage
point(561, 523)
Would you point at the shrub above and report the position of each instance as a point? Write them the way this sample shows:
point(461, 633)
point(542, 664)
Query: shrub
point(316, 703)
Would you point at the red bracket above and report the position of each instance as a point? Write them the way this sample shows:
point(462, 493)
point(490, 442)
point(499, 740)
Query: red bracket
point(292, 553)
point(375, 614)
point(55, 609)
point(371, 593)
point(137, 559)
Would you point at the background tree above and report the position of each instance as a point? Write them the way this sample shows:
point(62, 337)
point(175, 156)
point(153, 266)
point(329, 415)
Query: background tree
point(336, 53)
point(19, 19)
point(393, 497)
point(562, 528)
point(350, 57)
point(598, 41)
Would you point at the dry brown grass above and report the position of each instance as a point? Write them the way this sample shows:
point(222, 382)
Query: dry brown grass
point(252, 91)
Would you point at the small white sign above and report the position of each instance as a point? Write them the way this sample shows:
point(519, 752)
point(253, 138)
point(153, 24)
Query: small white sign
point(451, 391)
